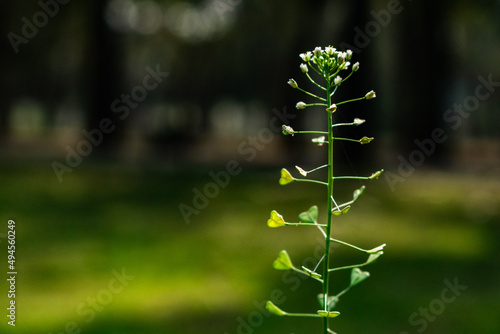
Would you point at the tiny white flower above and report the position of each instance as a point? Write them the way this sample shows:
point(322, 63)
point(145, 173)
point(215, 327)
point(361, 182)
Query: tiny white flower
point(306, 56)
point(355, 67)
point(329, 50)
point(303, 68)
point(337, 80)
point(370, 95)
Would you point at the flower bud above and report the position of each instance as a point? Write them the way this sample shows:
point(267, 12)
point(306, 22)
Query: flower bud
point(287, 130)
point(370, 95)
point(358, 121)
point(365, 140)
point(292, 83)
point(301, 171)
point(337, 80)
point(332, 108)
point(329, 50)
point(303, 68)
point(341, 58)
point(320, 140)
point(375, 175)
point(355, 67)
point(348, 54)
point(300, 105)
point(317, 52)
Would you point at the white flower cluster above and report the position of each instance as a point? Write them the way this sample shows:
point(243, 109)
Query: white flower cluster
point(328, 61)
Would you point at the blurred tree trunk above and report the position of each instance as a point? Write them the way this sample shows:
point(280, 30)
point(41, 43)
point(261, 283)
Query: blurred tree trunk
point(6, 84)
point(423, 74)
point(103, 71)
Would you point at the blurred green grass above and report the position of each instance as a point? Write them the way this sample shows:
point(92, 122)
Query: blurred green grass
point(207, 275)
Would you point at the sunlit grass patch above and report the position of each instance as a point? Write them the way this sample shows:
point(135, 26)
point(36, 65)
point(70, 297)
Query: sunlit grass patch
point(436, 225)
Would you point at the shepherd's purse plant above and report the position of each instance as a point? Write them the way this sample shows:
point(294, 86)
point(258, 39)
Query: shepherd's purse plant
point(327, 65)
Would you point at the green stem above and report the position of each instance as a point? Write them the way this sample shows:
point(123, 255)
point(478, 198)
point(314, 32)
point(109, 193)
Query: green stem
point(344, 124)
point(312, 181)
point(342, 206)
point(346, 139)
point(347, 77)
point(352, 177)
point(347, 244)
point(342, 292)
point(313, 132)
point(311, 94)
point(332, 76)
point(305, 224)
point(310, 315)
point(306, 274)
point(316, 104)
point(326, 272)
point(314, 69)
point(320, 228)
point(349, 267)
point(314, 82)
point(334, 90)
point(317, 168)
point(353, 100)
point(334, 202)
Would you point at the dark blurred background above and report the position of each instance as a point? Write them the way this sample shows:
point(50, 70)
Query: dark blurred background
point(116, 115)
